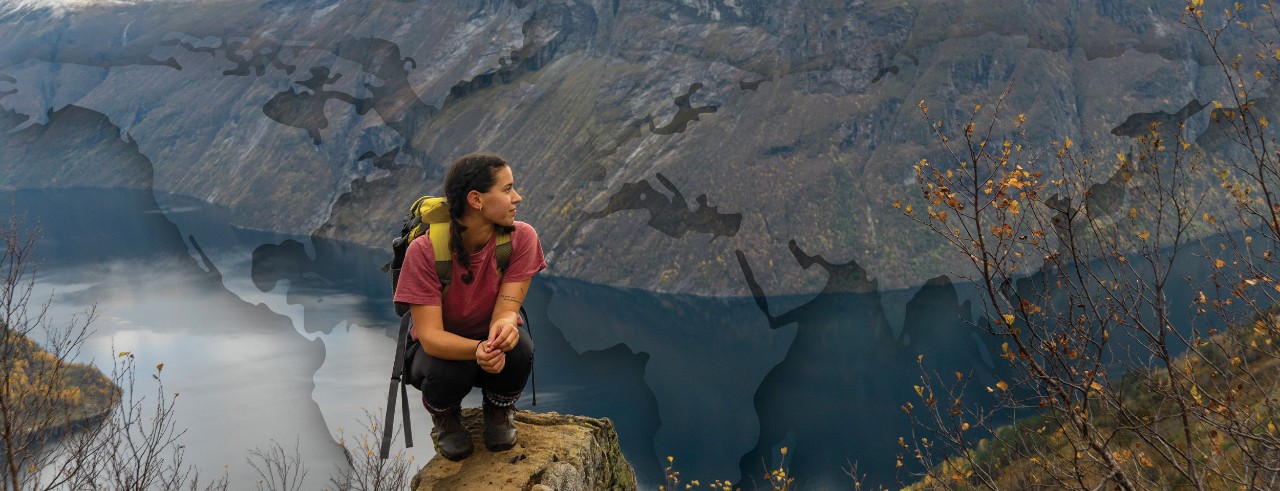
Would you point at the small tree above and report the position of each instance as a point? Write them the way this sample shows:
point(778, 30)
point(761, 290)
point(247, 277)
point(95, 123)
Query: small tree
point(366, 470)
point(282, 470)
point(1077, 261)
point(278, 469)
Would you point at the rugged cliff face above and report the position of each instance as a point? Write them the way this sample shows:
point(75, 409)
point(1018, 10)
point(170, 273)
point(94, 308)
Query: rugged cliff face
point(651, 140)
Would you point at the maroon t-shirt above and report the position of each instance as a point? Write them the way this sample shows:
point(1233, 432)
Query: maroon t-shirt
point(468, 308)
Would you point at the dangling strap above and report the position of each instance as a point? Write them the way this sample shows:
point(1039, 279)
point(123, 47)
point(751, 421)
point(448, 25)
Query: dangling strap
point(404, 406)
point(533, 370)
point(397, 373)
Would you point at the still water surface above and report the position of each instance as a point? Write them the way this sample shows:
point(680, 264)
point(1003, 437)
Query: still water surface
point(294, 352)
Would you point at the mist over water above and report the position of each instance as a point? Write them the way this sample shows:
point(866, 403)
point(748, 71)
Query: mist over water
point(242, 375)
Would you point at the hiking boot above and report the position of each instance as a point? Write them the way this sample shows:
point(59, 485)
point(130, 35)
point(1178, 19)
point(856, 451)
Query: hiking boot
point(499, 427)
point(452, 438)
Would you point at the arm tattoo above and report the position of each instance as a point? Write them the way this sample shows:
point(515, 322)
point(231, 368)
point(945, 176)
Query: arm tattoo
point(510, 298)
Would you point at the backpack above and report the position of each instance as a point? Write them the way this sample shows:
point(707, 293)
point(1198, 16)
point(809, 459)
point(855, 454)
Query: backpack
point(428, 215)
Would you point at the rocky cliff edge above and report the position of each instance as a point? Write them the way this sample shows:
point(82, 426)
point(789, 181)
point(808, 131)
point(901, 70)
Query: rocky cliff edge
point(553, 452)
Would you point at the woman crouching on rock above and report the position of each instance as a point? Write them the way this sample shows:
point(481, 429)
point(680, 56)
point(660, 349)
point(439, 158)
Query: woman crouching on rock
point(470, 333)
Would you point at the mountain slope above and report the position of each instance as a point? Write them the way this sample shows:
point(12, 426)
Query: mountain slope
point(651, 139)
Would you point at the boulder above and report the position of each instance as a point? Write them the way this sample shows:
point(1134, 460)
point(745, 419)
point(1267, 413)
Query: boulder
point(553, 452)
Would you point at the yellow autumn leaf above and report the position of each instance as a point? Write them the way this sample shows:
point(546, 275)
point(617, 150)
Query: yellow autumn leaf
point(1002, 385)
point(1218, 263)
point(1008, 319)
point(919, 391)
point(1144, 235)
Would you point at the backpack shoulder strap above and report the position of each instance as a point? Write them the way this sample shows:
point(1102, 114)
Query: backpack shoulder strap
point(502, 252)
point(439, 236)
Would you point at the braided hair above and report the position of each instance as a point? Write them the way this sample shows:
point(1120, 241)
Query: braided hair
point(471, 172)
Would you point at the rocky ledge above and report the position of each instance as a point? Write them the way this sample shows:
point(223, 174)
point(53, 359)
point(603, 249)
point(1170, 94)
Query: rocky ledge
point(553, 452)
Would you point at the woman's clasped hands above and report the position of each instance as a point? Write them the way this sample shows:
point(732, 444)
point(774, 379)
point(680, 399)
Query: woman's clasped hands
point(491, 354)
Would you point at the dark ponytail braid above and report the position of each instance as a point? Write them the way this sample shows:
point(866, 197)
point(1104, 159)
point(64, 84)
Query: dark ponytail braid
point(471, 172)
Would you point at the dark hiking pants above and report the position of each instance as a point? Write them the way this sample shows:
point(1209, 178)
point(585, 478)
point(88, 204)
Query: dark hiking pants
point(446, 382)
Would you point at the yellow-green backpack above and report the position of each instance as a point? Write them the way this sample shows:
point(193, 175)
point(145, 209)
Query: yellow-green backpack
point(429, 215)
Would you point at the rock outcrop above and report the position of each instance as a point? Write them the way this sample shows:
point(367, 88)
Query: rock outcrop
point(553, 452)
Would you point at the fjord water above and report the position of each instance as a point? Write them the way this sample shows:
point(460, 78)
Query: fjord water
point(295, 351)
